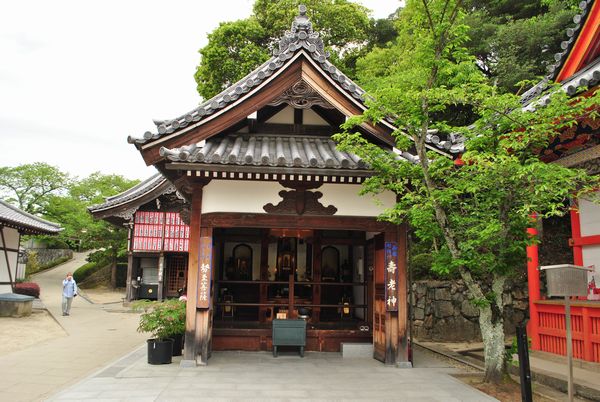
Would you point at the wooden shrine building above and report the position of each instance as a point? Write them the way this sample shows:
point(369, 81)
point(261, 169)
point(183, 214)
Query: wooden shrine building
point(158, 239)
point(277, 225)
point(14, 223)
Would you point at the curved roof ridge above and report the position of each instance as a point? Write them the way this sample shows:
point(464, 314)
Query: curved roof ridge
point(16, 217)
point(144, 187)
point(300, 37)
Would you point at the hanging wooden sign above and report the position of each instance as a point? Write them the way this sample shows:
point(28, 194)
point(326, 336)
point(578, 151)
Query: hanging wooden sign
point(391, 276)
point(204, 272)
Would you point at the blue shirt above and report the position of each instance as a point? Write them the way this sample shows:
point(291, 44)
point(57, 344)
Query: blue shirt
point(69, 288)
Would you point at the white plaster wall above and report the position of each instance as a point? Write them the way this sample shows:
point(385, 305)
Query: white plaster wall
point(346, 199)
point(310, 118)
point(12, 241)
point(591, 256)
point(285, 116)
point(239, 196)
point(589, 215)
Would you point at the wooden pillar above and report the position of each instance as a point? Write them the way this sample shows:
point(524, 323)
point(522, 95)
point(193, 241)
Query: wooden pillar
point(402, 356)
point(316, 271)
point(533, 286)
point(128, 287)
point(161, 276)
point(264, 275)
point(204, 297)
point(190, 350)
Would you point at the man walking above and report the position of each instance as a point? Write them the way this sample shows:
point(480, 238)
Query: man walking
point(69, 291)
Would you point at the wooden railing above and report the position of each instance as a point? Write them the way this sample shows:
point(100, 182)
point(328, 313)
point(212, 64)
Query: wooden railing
point(551, 333)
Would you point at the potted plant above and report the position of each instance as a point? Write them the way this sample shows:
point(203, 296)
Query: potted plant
point(164, 320)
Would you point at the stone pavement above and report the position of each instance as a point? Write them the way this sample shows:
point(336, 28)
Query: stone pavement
point(546, 369)
point(261, 377)
point(97, 335)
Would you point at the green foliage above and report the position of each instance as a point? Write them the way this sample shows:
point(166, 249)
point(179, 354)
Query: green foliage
point(30, 186)
point(86, 270)
point(482, 206)
point(161, 319)
point(44, 190)
point(234, 49)
point(515, 40)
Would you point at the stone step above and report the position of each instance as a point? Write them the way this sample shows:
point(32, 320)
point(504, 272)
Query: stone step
point(353, 350)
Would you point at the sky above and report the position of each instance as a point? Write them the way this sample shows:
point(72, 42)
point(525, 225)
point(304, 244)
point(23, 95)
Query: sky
point(77, 77)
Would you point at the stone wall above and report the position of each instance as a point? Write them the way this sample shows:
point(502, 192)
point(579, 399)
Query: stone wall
point(442, 311)
point(42, 258)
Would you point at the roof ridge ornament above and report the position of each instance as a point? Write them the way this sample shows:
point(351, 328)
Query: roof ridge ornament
point(301, 35)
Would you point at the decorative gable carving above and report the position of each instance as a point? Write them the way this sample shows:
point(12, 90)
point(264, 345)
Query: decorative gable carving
point(300, 201)
point(301, 96)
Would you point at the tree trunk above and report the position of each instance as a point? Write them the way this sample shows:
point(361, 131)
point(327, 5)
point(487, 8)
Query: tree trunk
point(492, 332)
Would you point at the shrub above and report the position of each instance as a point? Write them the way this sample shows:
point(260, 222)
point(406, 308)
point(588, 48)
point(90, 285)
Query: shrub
point(85, 270)
point(161, 319)
point(28, 289)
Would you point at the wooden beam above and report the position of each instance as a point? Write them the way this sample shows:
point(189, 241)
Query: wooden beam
point(251, 220)
point(332, 95)
point(185, 166)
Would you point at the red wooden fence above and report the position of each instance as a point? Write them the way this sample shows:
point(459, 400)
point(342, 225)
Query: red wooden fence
point(585, 327)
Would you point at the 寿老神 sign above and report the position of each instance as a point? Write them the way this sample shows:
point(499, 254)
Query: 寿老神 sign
point(391, 276)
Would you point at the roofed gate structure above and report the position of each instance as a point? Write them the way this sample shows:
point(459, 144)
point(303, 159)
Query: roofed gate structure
point(277, 227)
point(14, 223)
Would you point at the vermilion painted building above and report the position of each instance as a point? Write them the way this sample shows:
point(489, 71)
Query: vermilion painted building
point(577, 66)
point(158, 239)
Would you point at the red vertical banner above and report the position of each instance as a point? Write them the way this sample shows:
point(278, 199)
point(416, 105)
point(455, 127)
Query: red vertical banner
point(391, 276)
point(204, 272)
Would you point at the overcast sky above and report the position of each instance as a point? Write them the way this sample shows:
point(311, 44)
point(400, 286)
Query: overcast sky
point(77, 77)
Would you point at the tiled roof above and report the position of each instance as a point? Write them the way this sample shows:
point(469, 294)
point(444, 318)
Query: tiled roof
point(15, 218)
point(152, 183)
point(300, 38)
point(269, 150)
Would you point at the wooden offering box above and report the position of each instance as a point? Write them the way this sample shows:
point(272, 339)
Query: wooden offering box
point(289, 333)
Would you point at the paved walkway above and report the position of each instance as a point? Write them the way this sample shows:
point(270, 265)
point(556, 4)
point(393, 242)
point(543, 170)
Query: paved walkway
point(261, 377)
point(97, 335)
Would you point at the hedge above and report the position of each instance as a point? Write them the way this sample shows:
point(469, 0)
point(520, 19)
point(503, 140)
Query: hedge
point(85, 270)
point(28, 289)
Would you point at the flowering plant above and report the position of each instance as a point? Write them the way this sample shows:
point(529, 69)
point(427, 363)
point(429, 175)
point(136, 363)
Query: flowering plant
point(162, 319)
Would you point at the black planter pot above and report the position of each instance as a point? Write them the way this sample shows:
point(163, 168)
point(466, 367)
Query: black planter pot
point(177, 344)
point(160, 351)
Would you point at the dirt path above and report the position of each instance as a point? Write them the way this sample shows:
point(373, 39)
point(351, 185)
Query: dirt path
point(47, 355)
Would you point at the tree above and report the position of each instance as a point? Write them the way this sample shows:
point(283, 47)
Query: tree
point(516, 40)
point(236, 48)
point(30, 185)
point(480, 205)
point(70, 210)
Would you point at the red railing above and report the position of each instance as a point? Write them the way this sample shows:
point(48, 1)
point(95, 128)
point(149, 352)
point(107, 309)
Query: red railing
point(551, 333)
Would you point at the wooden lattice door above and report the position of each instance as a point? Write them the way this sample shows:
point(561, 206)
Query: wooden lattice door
point(176, 270)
